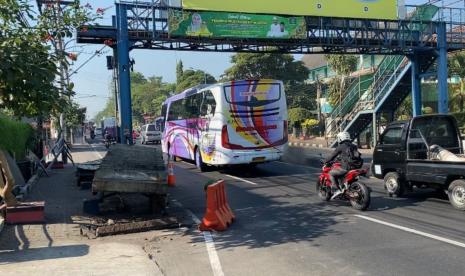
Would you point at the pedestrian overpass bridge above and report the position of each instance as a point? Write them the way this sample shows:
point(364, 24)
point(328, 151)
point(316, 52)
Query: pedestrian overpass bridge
point(412, 47)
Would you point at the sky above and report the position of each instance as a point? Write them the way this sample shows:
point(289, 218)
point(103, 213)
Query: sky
point(93, 80)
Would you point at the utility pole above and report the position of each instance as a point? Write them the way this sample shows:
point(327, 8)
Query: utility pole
point(60, 52)
point(318, 97)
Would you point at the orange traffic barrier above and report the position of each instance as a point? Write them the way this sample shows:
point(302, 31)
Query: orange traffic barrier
point(218, 214)
point(171, 177)
point(226, 207)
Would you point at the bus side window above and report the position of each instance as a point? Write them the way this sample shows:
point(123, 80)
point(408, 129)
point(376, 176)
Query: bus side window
point(208, 104)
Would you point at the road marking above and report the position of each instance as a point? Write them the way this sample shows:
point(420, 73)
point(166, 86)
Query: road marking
point(241, 179)
point(413, 231)
point(296, 165)
point(209, 243)
point(98, 153)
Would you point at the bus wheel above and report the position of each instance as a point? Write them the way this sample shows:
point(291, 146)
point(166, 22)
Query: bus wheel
point(199, 162)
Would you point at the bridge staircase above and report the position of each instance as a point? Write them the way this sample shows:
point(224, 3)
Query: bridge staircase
point(382, 91)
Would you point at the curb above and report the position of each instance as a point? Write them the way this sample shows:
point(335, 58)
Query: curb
point(305, 145)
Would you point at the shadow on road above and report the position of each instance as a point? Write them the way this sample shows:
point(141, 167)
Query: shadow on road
point(44, 253)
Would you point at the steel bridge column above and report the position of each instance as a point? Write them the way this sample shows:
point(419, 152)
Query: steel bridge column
point(416, 85)
point(375, 129)
point(443, 96)
point(124, 80)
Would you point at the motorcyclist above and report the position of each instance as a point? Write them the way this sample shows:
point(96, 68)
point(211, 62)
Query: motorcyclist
point(107, 136)
point(341, 153)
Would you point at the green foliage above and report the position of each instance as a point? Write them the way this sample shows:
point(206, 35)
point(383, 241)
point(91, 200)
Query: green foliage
point(457, 69)
point(27, 71)
point(138, 78)
point(179, 71)
point(404, 111)
point(28, 67)
point(75, 115)
point(297, 115)
point(301, 95)
point(191, 78)
point(427, 110)
point(343, 65)
point(310, 123)
point(266, 66)
point(310, 126)
point(15, 137)
point(107, 112)
point(148, 97)
point(460, 117)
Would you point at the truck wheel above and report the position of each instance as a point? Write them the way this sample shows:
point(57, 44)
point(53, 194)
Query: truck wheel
point(394, 185)
point(457, 194)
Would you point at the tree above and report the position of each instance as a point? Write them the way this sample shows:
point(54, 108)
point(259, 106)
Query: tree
point(27, 71)
point(457, 68)
point(138, 78)
point(266, 66)
point(301, 95)
point(108, 111)
point(179, 71)
point(343, 65)
point(147, 98)
point(29, 67)
point(191, 78)
point(296, 116)
point(75, 115)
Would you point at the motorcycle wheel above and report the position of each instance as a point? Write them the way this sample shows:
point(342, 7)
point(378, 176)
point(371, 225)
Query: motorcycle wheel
point(322, 191)
point(362, 202)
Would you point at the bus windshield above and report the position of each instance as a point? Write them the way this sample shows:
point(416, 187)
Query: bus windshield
point(252, 93)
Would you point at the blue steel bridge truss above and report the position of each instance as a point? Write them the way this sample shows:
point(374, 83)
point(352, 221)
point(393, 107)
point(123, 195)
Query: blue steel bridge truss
point(144, 25)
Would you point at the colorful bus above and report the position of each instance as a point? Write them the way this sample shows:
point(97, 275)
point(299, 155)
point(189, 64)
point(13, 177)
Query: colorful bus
point(239, 122)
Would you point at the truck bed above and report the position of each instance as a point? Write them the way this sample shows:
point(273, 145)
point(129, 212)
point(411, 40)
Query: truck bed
point(434, 171)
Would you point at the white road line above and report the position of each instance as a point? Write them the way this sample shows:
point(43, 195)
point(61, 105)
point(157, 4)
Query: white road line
point(241, 179)
point(413, 231)
point(296, 165)
point(209, 243)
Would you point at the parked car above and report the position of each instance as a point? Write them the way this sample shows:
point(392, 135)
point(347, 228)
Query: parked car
point(150, 133)
point(98, 132)
point(423, 152)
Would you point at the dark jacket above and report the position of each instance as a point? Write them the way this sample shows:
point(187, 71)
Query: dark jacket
point(341, 153)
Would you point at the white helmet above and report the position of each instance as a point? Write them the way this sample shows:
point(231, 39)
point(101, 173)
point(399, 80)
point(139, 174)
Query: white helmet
point(343, 136)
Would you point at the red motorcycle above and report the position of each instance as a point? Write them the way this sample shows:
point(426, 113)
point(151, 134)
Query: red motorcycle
point(357, 193)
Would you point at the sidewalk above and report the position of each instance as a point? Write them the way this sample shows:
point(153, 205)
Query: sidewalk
point(319, 144)
point(57, 248)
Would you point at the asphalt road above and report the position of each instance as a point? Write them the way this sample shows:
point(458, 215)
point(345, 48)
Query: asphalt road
point(283, 228)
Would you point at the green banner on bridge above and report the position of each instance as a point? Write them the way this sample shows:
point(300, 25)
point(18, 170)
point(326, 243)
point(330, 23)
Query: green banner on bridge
point(235, 25)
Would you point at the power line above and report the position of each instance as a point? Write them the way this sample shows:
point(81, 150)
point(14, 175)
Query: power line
point(98, 52)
